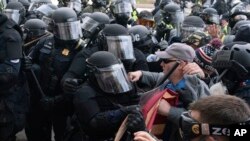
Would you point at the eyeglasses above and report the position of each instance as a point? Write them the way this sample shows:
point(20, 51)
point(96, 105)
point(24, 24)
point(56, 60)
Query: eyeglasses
point(166, 61)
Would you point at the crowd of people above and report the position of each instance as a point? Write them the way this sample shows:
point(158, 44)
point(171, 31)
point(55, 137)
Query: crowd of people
point(87, 71)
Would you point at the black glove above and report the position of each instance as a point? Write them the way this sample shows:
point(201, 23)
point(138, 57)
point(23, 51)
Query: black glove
point(131, 109)
point(135, 122)
point(26, 63)
point(70, 85)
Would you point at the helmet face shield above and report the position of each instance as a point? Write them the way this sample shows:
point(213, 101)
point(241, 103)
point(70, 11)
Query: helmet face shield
point(89, 24)
point(49, 22)
point(45, 10)
point(68, 30)
point(34, 5)
point(12, 14)
point(75, 6)
point(122, 7)
point(121, 47)
point(113, 79)
point(177, 17)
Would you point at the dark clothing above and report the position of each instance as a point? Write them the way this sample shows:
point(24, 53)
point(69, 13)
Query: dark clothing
point(78, 67)
point(13, 95)
point(100, 114)
point(53, 56)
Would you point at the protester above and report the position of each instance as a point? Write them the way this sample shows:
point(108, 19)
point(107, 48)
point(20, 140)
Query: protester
point(189, 87)
point(215, 110)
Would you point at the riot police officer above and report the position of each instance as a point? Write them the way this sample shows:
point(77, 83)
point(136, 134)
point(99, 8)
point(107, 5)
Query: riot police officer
point(103, 102)
point(116, 39)
point(45, 13)
point(92, 25)
point(144, 41)
point(53, 55)
point(34, 30)
point(76, 5)
point(113, 38)
point(14, 97)
point(121, 10)
point(210, 16)
point(97, 6)
point(172, 18)
point(35, 4)
point(15, 11)
point(233, 69)
point(190, 25)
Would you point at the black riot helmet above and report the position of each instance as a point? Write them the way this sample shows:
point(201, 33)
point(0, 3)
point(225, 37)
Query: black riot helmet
point(25, 3)
point(210, 16)
point(231, 63)
point(121, 9)
point(190, 25)
point(109, 72)
point(99, 3)
point(15, 11)
point(34, 28)
point(172, 13)
point(238, 25)
point(75, 5)
point(142, 38)
point(115, 38)
point(67, 26)
point(45, 10)
point(94, 23)
point(35, 4)
point(164, 2)
point(237, 13)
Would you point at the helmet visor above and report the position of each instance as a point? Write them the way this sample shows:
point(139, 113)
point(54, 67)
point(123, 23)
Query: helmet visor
point(177, 17)
point(113, 79)
point(68, 30)
point(89, 24)
point(214, 19)
point(45, 10)
point(75, 6)
point(34, 5)
point(123, 7)
point(121, 47)
point(13, 14)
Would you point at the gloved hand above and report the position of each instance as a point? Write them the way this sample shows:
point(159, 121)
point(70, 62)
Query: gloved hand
point(131, 109)
point(26, 63)
point(135, 122)
point(70, 85)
